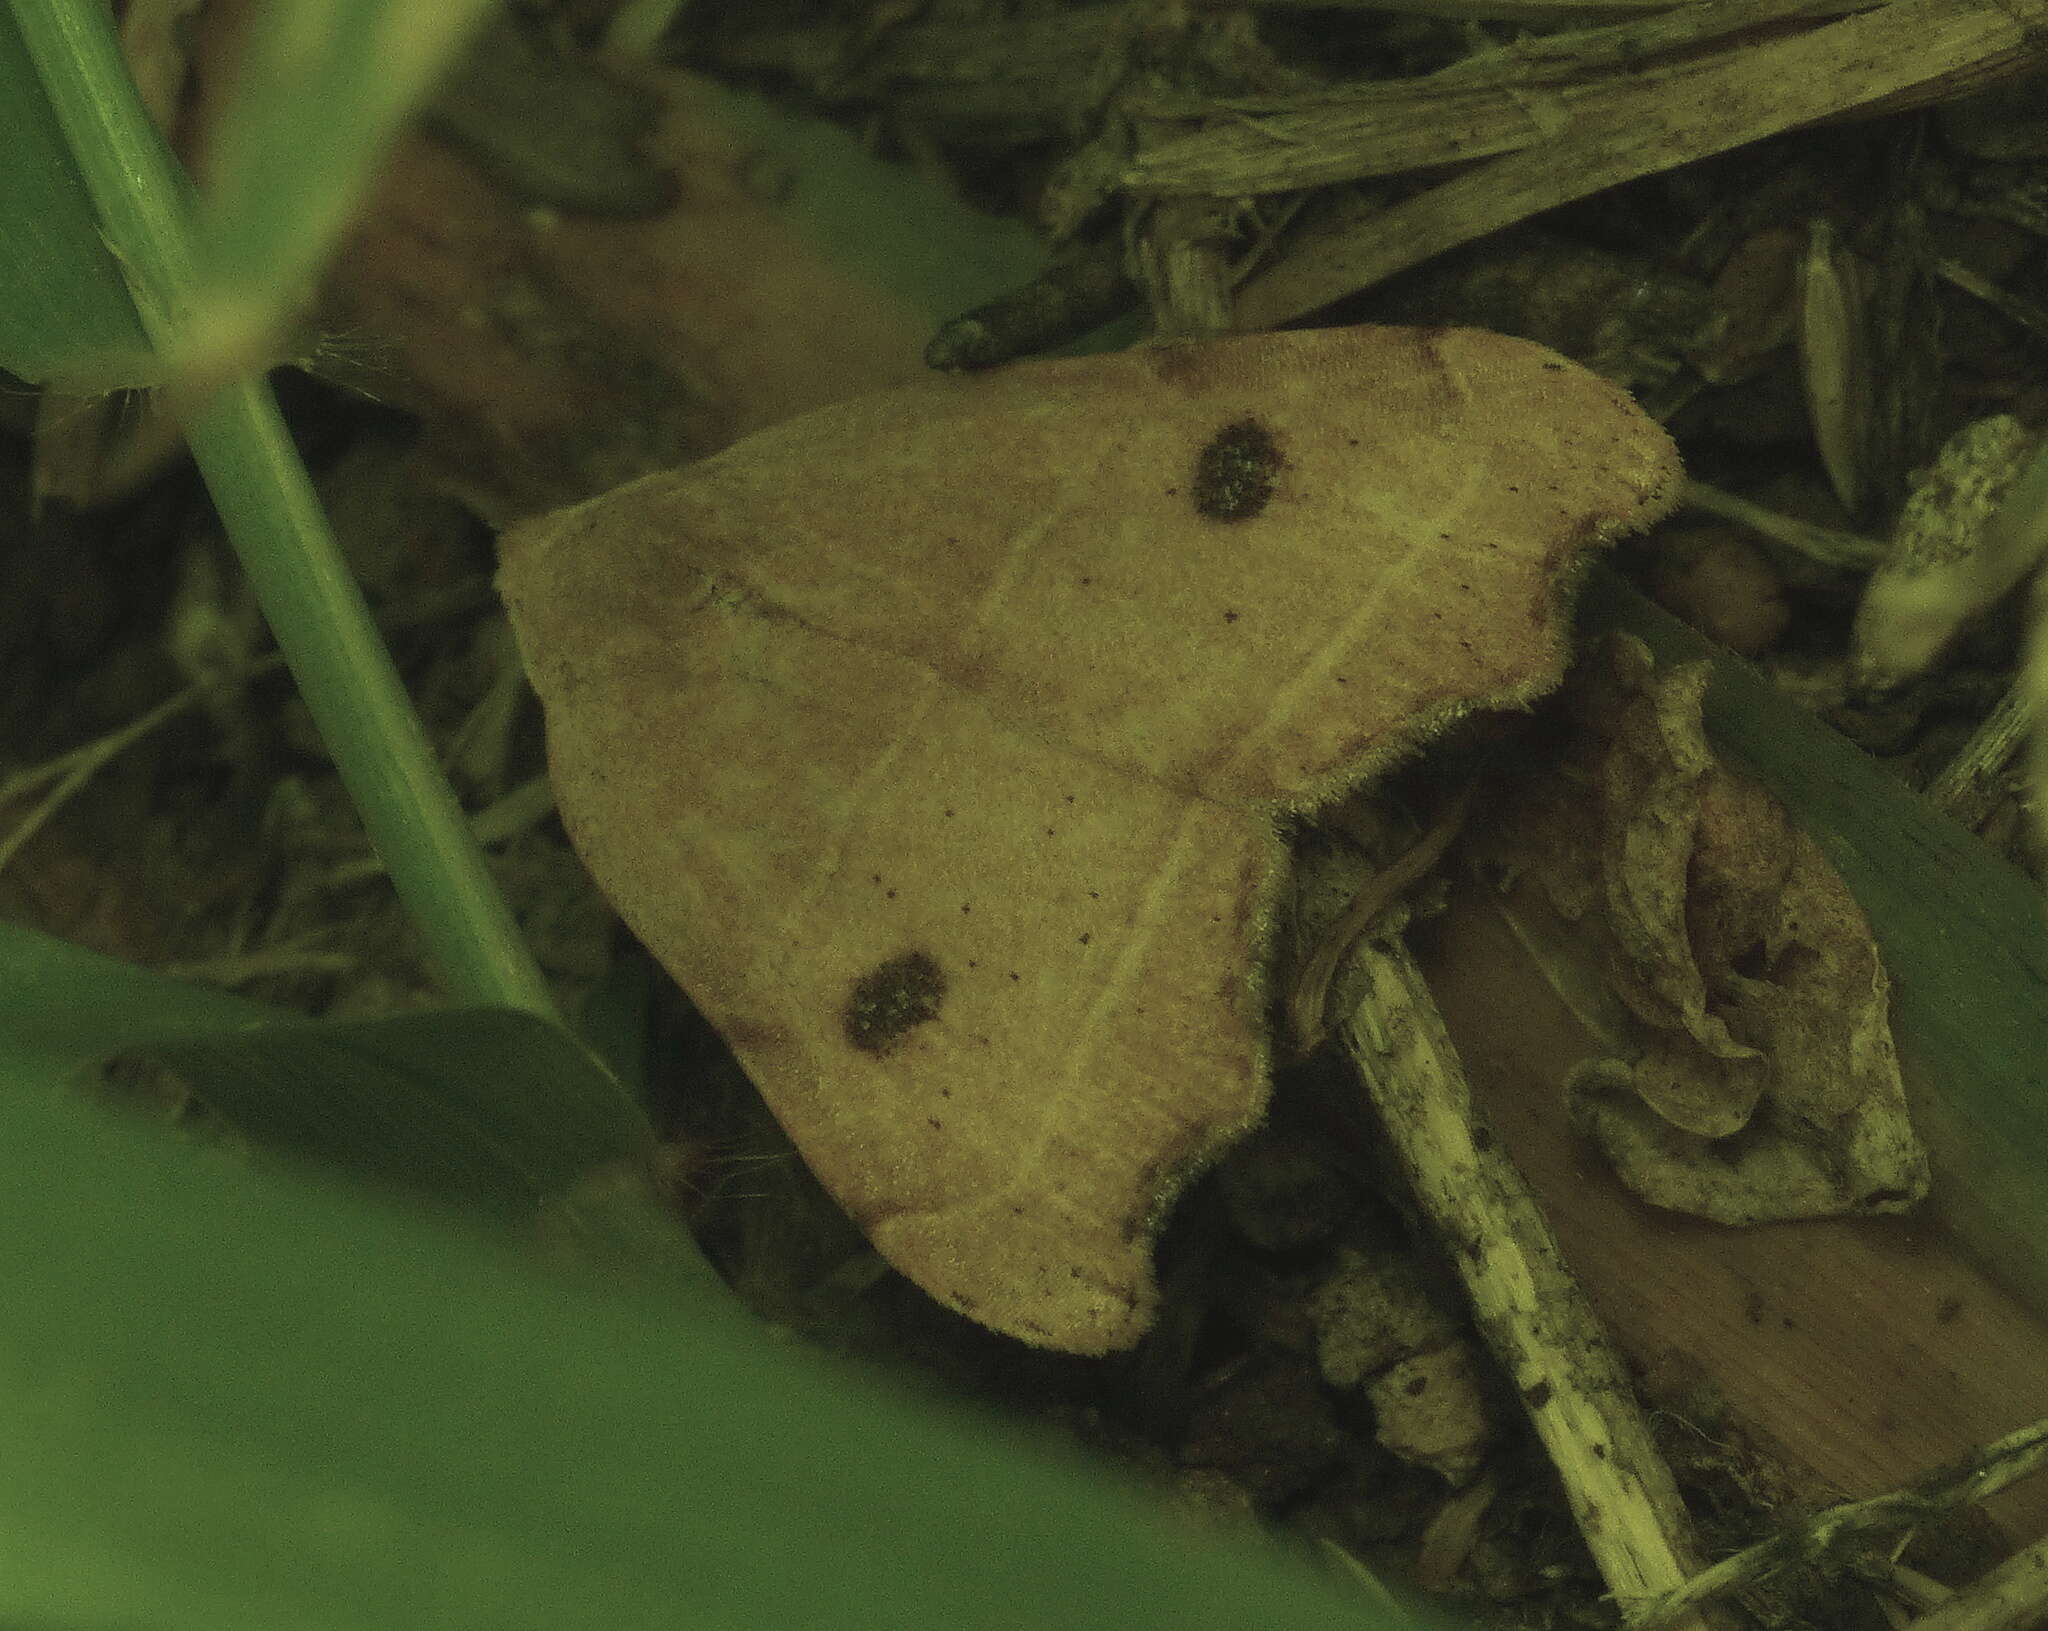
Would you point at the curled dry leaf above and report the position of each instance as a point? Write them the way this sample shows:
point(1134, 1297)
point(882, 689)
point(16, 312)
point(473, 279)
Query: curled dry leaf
point(1755, 1077)
point(935, 741)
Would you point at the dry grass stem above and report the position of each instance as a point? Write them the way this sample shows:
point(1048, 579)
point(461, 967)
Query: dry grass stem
point(1973, 783)
point(1825, 545)
point(1984, 1474)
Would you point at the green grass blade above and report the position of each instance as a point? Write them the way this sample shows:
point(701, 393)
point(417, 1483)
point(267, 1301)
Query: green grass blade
point(64, 306)
point(139, 198)
point(366, 720)
point(140, 201)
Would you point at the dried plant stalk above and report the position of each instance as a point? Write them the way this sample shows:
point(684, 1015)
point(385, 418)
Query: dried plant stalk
point(1977, 779)
point(1583, 139)
point(1525, 1301)
point(1474, 108)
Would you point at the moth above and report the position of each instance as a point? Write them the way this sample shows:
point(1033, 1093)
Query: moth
point(936, 742)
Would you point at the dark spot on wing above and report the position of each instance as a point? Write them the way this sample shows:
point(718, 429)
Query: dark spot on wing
point(1234, 472)
point(893, 999)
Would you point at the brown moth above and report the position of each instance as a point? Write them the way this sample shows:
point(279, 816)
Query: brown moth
point(935, 740)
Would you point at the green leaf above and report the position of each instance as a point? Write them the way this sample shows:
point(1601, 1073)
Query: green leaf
point(490, 1109)
point(235, 1403)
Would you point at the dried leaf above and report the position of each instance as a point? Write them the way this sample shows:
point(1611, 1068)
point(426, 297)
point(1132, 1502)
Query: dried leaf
point(1834, 359)
point(934, 741)
point(1651, 765)
point(553, 355)
point(1759, 1080)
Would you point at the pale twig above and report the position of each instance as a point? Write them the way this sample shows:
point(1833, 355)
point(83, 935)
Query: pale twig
point(1525, 1302)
